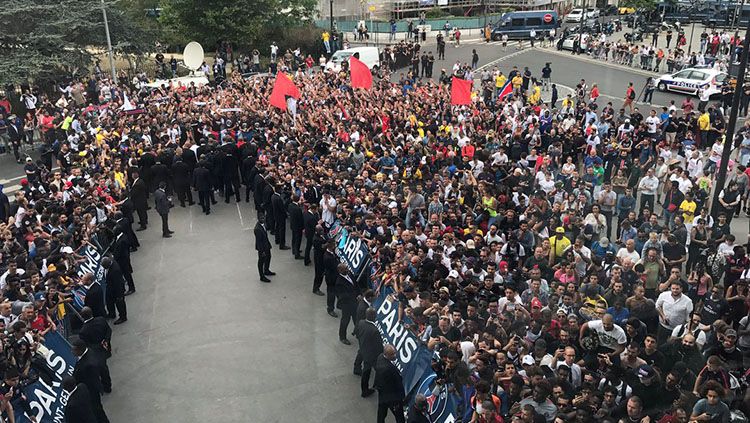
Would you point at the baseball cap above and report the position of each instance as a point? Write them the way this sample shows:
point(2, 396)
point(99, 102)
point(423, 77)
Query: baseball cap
point(730, 332)
point(535, 303)
point(528, 360)
point(470, 244)
point(604, 242)
point(453, 274)
point(559, 230)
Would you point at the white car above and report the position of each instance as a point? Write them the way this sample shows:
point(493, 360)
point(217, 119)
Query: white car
point(592, 13)
point(575, 15)
point(689, 81)
point(569, 42)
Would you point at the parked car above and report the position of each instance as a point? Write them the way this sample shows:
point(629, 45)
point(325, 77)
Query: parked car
point(609, 10)
point(370, 56)
point(592, 13)
point(575, 15)
point(568, 42)
point(689, 81)
point(626, 10)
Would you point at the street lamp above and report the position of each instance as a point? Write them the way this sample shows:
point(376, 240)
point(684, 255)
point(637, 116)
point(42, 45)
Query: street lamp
point(729, 136)
point(109, 44)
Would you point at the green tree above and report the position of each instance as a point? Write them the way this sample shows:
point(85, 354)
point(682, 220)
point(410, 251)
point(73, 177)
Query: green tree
point(43, 40)
point(639, 4)
point(244, 22)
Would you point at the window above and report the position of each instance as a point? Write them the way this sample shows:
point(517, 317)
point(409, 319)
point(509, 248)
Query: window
point(534, 21)
point(517, 22)
point(683, 74)
point(698, 76)
point(720, 78)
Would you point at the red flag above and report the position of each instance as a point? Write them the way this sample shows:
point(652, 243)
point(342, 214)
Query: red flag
point(506, 91)
point(282, 87)
point(361, 75)
point(460, 91)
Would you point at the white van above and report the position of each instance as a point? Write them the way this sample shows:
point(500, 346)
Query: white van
point(369, 55)
point(575, 15)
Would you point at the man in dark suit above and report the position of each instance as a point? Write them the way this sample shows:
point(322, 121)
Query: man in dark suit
point(97, 335)
point(94, 295)
point(16, 135)
point(248, 171)
point(78, 408)
point(268, 190)
point(202, 183)
point(115, 290)
point(159, 174)
point(162, 207)
point(231, 169)
point(346, 293)
point(88, 371)
point(121, 254)
point(390, 386)
point(310, 220)
point(370, 347)
point(181, 181)
point(365, 301)
point(139, 197)
point(330, 270)
point(263, 247)
point(259, 187)
point(296, 225)
point(319, 243)
point(279, 219)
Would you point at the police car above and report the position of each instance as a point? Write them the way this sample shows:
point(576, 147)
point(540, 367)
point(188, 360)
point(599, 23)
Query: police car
point(689, 81)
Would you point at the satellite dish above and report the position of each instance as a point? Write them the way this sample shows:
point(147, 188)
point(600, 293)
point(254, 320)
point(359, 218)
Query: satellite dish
point(193, 55)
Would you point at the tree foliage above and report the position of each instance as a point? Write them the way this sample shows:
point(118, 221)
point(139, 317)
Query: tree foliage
point(243, 22)
point(639, 4)
point(44, 40)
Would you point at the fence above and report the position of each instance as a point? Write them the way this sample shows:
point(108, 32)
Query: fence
point(349, 26)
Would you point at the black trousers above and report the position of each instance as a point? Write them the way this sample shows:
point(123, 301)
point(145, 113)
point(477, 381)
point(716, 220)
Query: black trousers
point(296, 242)
point(330, 297)
point(264, 263)
point(364, 383)
point(165, 224)
point(142, 216)
point(129, 279)
point(184, 193)
point(98, 408)
point(204, 198)
point(117, 303)
point(319, 273)
point(280, 233)
point(308, 248)
point(396, 407)
point(347, 314)
point(647, 200)
point(232, 187)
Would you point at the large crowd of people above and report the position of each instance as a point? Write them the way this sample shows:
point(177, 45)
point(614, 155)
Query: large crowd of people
point(562, 262)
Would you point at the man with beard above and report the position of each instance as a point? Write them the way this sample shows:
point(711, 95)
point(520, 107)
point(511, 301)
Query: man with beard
point(684, 351)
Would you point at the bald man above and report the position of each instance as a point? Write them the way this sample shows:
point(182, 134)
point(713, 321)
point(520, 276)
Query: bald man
point(612, 338)
point(390, 386)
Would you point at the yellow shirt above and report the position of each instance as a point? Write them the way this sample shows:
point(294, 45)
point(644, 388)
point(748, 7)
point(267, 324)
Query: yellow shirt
point(500, 81)
point(536, 95)
point(517, 81)
point(688, 210)
point(66, 123)
point(325, 36)
point(559, 245)
point(567, 102)
point(704, 122)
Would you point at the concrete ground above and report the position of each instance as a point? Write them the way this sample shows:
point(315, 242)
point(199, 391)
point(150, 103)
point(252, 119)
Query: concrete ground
point(207, 342)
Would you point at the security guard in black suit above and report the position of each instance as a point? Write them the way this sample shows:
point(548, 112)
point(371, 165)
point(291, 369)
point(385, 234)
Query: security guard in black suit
point(296, 225)
point(278, 207)
point(181, 181)
point(370, 347)
point(259, 187)
point(94, 295)
point(115, 290)
point(365, 301)
point(139, 197)
point(202, 183)
point(390, 386)
point(330, 270)
point(248, 172)
point(310, 219)
point(231, 170)
point(346, 293)
point(268, 190)
point(78, 407)
point(97, 335)
point(88, 371)
point(319, 244)
point(263, 246)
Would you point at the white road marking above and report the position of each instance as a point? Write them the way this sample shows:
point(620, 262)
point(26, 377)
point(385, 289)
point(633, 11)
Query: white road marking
point(614, 98)
point(239, 212)
point(502, 59)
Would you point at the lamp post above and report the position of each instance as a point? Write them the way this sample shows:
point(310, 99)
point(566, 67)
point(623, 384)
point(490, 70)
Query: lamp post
point(729, 135)
point(331, 12)
point(109, 44)
point(580, 27)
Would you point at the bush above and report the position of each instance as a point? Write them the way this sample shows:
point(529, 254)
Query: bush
point(436, 13)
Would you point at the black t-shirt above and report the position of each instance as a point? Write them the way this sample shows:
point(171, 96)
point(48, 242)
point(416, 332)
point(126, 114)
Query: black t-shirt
point(673, 251)
point(451, 335)
point(714, 309)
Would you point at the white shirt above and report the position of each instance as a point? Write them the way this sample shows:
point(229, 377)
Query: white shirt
point(676, 310)
point(608, 338)
point(652, 122)
point(624, 253)
point(328, 215)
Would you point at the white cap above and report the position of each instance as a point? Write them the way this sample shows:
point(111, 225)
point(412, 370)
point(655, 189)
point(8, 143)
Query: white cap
point(527, 359)
point(66, 250)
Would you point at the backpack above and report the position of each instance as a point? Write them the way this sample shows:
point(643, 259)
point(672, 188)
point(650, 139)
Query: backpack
point(631, 94)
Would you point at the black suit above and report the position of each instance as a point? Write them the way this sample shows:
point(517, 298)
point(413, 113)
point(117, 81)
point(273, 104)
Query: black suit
point(162, 207)
point(79, 408)
point(139, 197)
point(95, 300)
point(370, 347)
point(181, 182)
point(330, 263)
point(248, 172)
point(263, 246)
point(202, 182)
point(390, 389)
point(121, 253)
point(310, 221)
point(160, 173)
point(230, 170)
point(97, 335)
point(268, 207)
point(259, 187)
point(296, 225)
point(279, 218)
point(116, 292)
point(15, 134)
point(346, 292)
point(88, 371)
